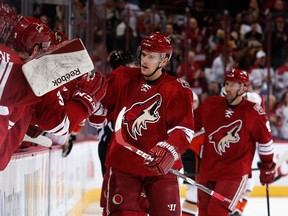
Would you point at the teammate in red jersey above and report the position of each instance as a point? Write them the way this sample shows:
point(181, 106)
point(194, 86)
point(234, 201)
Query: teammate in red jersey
point(232, 126)
point(159, 121)
point(19, 107)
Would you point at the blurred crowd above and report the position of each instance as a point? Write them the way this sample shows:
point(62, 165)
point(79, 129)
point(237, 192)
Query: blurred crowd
point(207, 41)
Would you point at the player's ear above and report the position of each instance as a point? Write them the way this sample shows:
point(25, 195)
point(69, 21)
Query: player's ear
point(164, 61)
point(244, 88)
point(35, 49)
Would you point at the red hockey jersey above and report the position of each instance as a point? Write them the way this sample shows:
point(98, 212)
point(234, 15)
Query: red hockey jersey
point(231, 134)
point(156, 111)
point(20, 107)
point(14, 88)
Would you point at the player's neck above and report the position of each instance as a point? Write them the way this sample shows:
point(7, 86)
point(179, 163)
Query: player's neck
point(237, 101)
point(155, 76)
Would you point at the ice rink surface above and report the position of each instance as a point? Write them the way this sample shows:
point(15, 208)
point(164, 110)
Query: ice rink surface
point(258, 207)
point(255, 207)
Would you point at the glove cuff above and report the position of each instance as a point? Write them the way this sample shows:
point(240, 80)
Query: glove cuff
point(170, 148)
point(267, 165)
point(86, 100)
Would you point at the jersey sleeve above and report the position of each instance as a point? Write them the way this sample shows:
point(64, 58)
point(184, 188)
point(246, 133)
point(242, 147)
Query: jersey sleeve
point(14, 88)
point(262, 134)
point(199, 112)
point(180, 117)
point(55, 117)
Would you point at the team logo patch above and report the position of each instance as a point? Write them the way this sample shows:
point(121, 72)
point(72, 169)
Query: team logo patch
point(117, 199)
point(184, 83)
point(224, 136)
point(141, 113)
point(259, 109)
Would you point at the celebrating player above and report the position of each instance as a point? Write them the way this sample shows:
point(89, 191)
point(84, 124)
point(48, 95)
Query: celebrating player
point(158, 121)
point(233, 126)
point(19, 107)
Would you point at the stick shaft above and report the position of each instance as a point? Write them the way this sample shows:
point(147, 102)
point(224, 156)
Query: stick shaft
point(268, 199)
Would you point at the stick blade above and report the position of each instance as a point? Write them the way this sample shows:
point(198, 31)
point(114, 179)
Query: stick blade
point(118, 123)
point(40, 140)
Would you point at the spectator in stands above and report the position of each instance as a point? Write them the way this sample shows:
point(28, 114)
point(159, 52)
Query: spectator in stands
point(281, 82)
point(282, 114)
point(221, 63)
point(152, 16)
point(258, 74)
point(194, 38)
point(272, 116)
point(192, 72)
point(279, 42)
point(178, 52)
point(125, 38)
point(253, 34)
point(131, 11)
point(215, 45)
point(276, 7)
point(249, 20)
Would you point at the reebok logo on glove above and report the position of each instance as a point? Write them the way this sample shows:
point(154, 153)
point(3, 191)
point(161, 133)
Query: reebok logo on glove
point(67, 77)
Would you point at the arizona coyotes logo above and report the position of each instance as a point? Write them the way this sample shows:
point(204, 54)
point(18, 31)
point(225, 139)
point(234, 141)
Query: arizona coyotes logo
point(137, 117)
point(224, 136)
point(40, 28)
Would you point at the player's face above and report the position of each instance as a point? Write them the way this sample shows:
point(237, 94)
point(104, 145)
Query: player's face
point(149, 62)
point(232, 89)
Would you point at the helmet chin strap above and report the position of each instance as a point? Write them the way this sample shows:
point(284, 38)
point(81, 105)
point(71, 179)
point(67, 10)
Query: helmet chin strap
point(234, 98)
point(157, 68)
point(237, 95)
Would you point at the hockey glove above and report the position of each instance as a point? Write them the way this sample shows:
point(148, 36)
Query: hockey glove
point(34, 131)
point(91, 91)
point(164, 156)
point(267, 172)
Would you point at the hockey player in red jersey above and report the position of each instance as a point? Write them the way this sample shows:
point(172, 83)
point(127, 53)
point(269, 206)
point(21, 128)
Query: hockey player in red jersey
point(232, 126)
point(19, 107)
point(158, 121)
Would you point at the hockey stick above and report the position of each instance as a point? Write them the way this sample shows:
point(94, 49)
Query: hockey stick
point(268, 199)
point(40, 140)
point(120, 140)
point(201, 187)
point(54, 68)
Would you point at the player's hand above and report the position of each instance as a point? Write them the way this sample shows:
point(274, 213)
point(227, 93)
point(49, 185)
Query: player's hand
point(267, 172)
point(91, 91)
point(164, 156)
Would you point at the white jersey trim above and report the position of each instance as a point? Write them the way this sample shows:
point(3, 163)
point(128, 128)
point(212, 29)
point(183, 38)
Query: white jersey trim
point(189, 133)
point(266, 149)
point(62, 128)
point(4, 74)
